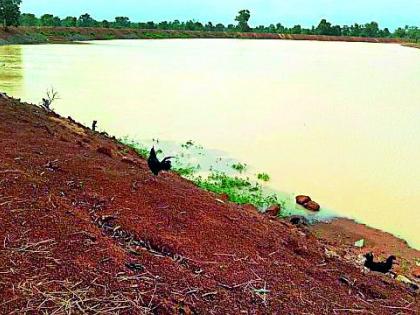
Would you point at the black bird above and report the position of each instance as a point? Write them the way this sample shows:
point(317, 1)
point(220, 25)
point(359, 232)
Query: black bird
point(157, 166)
point(383, 267)
point(94, 124)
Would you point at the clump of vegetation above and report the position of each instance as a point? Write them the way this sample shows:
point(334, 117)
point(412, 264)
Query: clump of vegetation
point(77, 37)
point(239, 190)
point(263, 176)
point(240, 167)
point(136, 146)
point(34, 38)
point(187, 171)
point(10, 13)
point(187, 144)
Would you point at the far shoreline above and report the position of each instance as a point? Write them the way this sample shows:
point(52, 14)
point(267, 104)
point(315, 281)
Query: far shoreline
point(65, 35)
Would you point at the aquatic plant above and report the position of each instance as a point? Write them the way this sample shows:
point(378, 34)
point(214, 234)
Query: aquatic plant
point(241, 190)
point(187, 144)
point(263, 176)
point(239, 167)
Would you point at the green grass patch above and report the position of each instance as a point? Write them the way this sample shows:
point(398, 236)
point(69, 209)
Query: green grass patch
point(136, 146)
point(241, 190)
point(186, 171)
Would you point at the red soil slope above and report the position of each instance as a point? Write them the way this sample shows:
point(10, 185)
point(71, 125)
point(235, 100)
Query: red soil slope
point(90, 232)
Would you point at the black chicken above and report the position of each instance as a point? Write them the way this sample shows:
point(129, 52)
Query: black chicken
point(383, 267)
point(157, 166)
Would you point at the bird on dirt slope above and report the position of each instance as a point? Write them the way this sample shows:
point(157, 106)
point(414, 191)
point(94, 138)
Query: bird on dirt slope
point(157, 166)
point(383, 267)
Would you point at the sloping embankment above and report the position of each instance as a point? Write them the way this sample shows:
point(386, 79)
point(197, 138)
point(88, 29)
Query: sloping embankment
point(85, 228)
point(33, 35)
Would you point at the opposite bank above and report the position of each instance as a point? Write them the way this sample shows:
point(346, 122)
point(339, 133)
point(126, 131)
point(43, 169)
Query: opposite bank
point(39, 35)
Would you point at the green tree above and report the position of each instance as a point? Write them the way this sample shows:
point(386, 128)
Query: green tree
point(56, 21)
point(231, 28)
point(164, 25)
point(370, 30)
point(271, 28)
point(209, 27)
point(242, 18)
point(355, 30)
point(219, 27)
point(280, 28)
point(190, 25)
point(150, 25)
point(400, 33)
point(122, 22)
point(324, 28)
point(336, 30)
point(69, 21)
point(10, 12)
point(86, 20)
point(105, 24)
point(47, 20)
point(297, 29)
point(176, 25)
point(413, 33)
point(28, 19)
point(345, 30)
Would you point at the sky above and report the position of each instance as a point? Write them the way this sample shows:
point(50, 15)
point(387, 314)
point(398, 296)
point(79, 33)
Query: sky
point(388, 13)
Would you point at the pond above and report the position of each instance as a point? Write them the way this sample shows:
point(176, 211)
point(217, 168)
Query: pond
point(337, 121)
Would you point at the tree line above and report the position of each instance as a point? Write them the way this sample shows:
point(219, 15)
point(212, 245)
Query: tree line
point(324, 27)
point(11, 16)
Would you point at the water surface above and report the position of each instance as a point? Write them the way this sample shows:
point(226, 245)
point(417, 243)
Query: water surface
point(337, 121)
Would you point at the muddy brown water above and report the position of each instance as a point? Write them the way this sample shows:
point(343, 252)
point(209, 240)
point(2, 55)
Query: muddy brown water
point(337, 121)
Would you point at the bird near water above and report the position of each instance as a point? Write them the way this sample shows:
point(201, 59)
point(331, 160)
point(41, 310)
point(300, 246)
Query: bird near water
point(383, 267)
point(157, 166)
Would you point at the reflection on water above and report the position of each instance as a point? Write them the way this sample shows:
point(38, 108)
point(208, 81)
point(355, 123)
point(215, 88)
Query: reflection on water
point(11, 68)
point(337, 121)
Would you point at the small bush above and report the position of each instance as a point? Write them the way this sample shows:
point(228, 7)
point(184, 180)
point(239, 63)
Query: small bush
point(263, 176)
point(239, 167)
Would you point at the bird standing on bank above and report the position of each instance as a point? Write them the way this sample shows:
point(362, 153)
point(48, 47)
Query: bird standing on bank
point(383, 267)
point(157, 166)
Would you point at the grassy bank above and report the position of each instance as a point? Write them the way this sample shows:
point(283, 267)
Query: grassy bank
point(231, 180)
point(37, 35)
